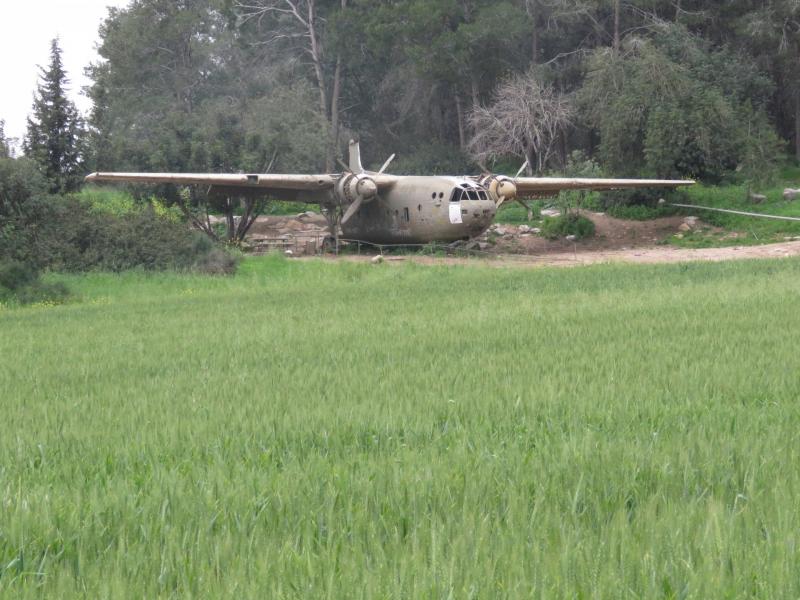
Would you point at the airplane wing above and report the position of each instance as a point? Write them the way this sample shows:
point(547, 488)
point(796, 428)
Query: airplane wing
point(543, 187)
point(302, 188)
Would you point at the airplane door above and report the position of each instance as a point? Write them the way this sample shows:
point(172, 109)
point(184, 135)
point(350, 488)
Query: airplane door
point(455, 213)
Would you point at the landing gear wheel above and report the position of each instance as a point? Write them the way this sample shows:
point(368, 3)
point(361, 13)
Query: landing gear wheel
point(328, 245)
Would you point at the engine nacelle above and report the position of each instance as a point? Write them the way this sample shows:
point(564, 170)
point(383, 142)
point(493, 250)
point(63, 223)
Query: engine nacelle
point(501, 188)
point(352, 187)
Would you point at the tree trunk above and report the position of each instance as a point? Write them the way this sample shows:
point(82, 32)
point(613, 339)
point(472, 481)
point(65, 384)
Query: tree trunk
point(475, 92)
point(333, 153)
point(230, 221)
point(534, 15)
point(616, 25)
point(337, 83)
point(316, 59)
point(797, 125)
point(460, 115)
point(530, 155)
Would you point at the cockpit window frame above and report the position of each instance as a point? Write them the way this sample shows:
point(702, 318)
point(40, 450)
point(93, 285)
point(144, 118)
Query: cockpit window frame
point(466, 192)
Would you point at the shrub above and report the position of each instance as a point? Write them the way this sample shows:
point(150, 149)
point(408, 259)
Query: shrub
point(65, 234)
point(76, 238)
point(649, 197)
point(570, 223)
point(640, 212)
point(96, 229)
point(19, 282)
point(15, 275)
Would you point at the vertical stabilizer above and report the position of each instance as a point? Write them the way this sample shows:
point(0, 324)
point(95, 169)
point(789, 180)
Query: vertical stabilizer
point(355, 158)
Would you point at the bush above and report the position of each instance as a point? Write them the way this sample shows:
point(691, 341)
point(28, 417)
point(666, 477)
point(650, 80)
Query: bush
point(640, 212)
point(15, 275)
point(68, 234)
point(96, 229)
point(73, 237)
point(645, 197)
point(571, 223)
point(19, 282)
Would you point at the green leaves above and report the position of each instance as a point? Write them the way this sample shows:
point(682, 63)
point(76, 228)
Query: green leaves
point(673, 106)
point(54, 139)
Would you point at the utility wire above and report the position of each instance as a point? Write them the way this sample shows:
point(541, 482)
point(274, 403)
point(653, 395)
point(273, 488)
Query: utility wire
point(735, 212)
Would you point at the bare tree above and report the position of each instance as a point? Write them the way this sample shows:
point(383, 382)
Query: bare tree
point(526, 119)
point(299, 20)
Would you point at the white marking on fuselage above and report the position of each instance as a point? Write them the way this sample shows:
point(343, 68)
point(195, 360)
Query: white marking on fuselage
point(455, 213)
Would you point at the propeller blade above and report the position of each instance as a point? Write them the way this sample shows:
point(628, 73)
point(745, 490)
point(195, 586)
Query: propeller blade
point(352, 209)
point(386, 164)
point(521, 169)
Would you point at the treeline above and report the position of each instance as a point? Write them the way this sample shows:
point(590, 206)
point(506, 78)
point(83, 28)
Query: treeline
point(668, 88)
point(645, 87)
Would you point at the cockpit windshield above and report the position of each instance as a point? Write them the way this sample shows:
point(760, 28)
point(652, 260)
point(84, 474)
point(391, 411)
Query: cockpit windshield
point(466, 192)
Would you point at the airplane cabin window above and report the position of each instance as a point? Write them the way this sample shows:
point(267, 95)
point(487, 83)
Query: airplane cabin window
point(456, 197)
point(473, 195)
point(406, 215)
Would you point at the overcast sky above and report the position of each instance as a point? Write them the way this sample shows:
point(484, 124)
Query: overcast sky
point(26, 29)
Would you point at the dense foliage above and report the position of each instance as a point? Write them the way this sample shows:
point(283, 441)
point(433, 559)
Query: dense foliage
point(54, 139)
point(5, 150)
point(21, 283)
point(70, 234)
point(569, 224)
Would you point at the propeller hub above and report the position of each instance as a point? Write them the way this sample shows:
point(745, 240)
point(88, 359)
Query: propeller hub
point(353, 187)
point(366, 188)
point(506, 189)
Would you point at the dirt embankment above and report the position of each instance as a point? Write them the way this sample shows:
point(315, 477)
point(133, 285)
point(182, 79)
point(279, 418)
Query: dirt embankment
point(615, 240)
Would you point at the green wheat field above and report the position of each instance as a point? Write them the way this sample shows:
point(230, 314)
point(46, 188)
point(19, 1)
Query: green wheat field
point(318, 430)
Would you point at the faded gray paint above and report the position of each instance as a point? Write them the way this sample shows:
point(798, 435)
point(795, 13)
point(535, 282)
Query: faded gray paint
point(427, 200)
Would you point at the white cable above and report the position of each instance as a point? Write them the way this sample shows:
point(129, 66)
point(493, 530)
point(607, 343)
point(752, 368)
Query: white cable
point(736, 212)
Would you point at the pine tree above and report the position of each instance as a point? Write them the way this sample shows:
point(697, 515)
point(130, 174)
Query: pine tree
point(55, 129)
point(5, 149)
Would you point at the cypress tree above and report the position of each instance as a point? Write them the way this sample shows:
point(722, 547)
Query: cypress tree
point(55, 129)
point(5, 147)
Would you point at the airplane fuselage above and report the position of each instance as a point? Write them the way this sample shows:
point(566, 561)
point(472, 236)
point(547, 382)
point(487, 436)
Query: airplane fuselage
point(419, 210)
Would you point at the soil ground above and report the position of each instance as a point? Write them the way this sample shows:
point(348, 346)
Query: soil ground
point(616, 240)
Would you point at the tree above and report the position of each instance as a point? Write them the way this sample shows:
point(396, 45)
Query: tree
point(774, 34)
point(300, 20)
point(672, 105)
point(158, 63)
point(5, 145)
point(55, 129)
point(526, 119)
point(278, 131)
point(183, 88)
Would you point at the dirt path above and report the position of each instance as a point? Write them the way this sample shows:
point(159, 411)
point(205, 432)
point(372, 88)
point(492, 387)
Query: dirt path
point(660, 254)
point(664, 254)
